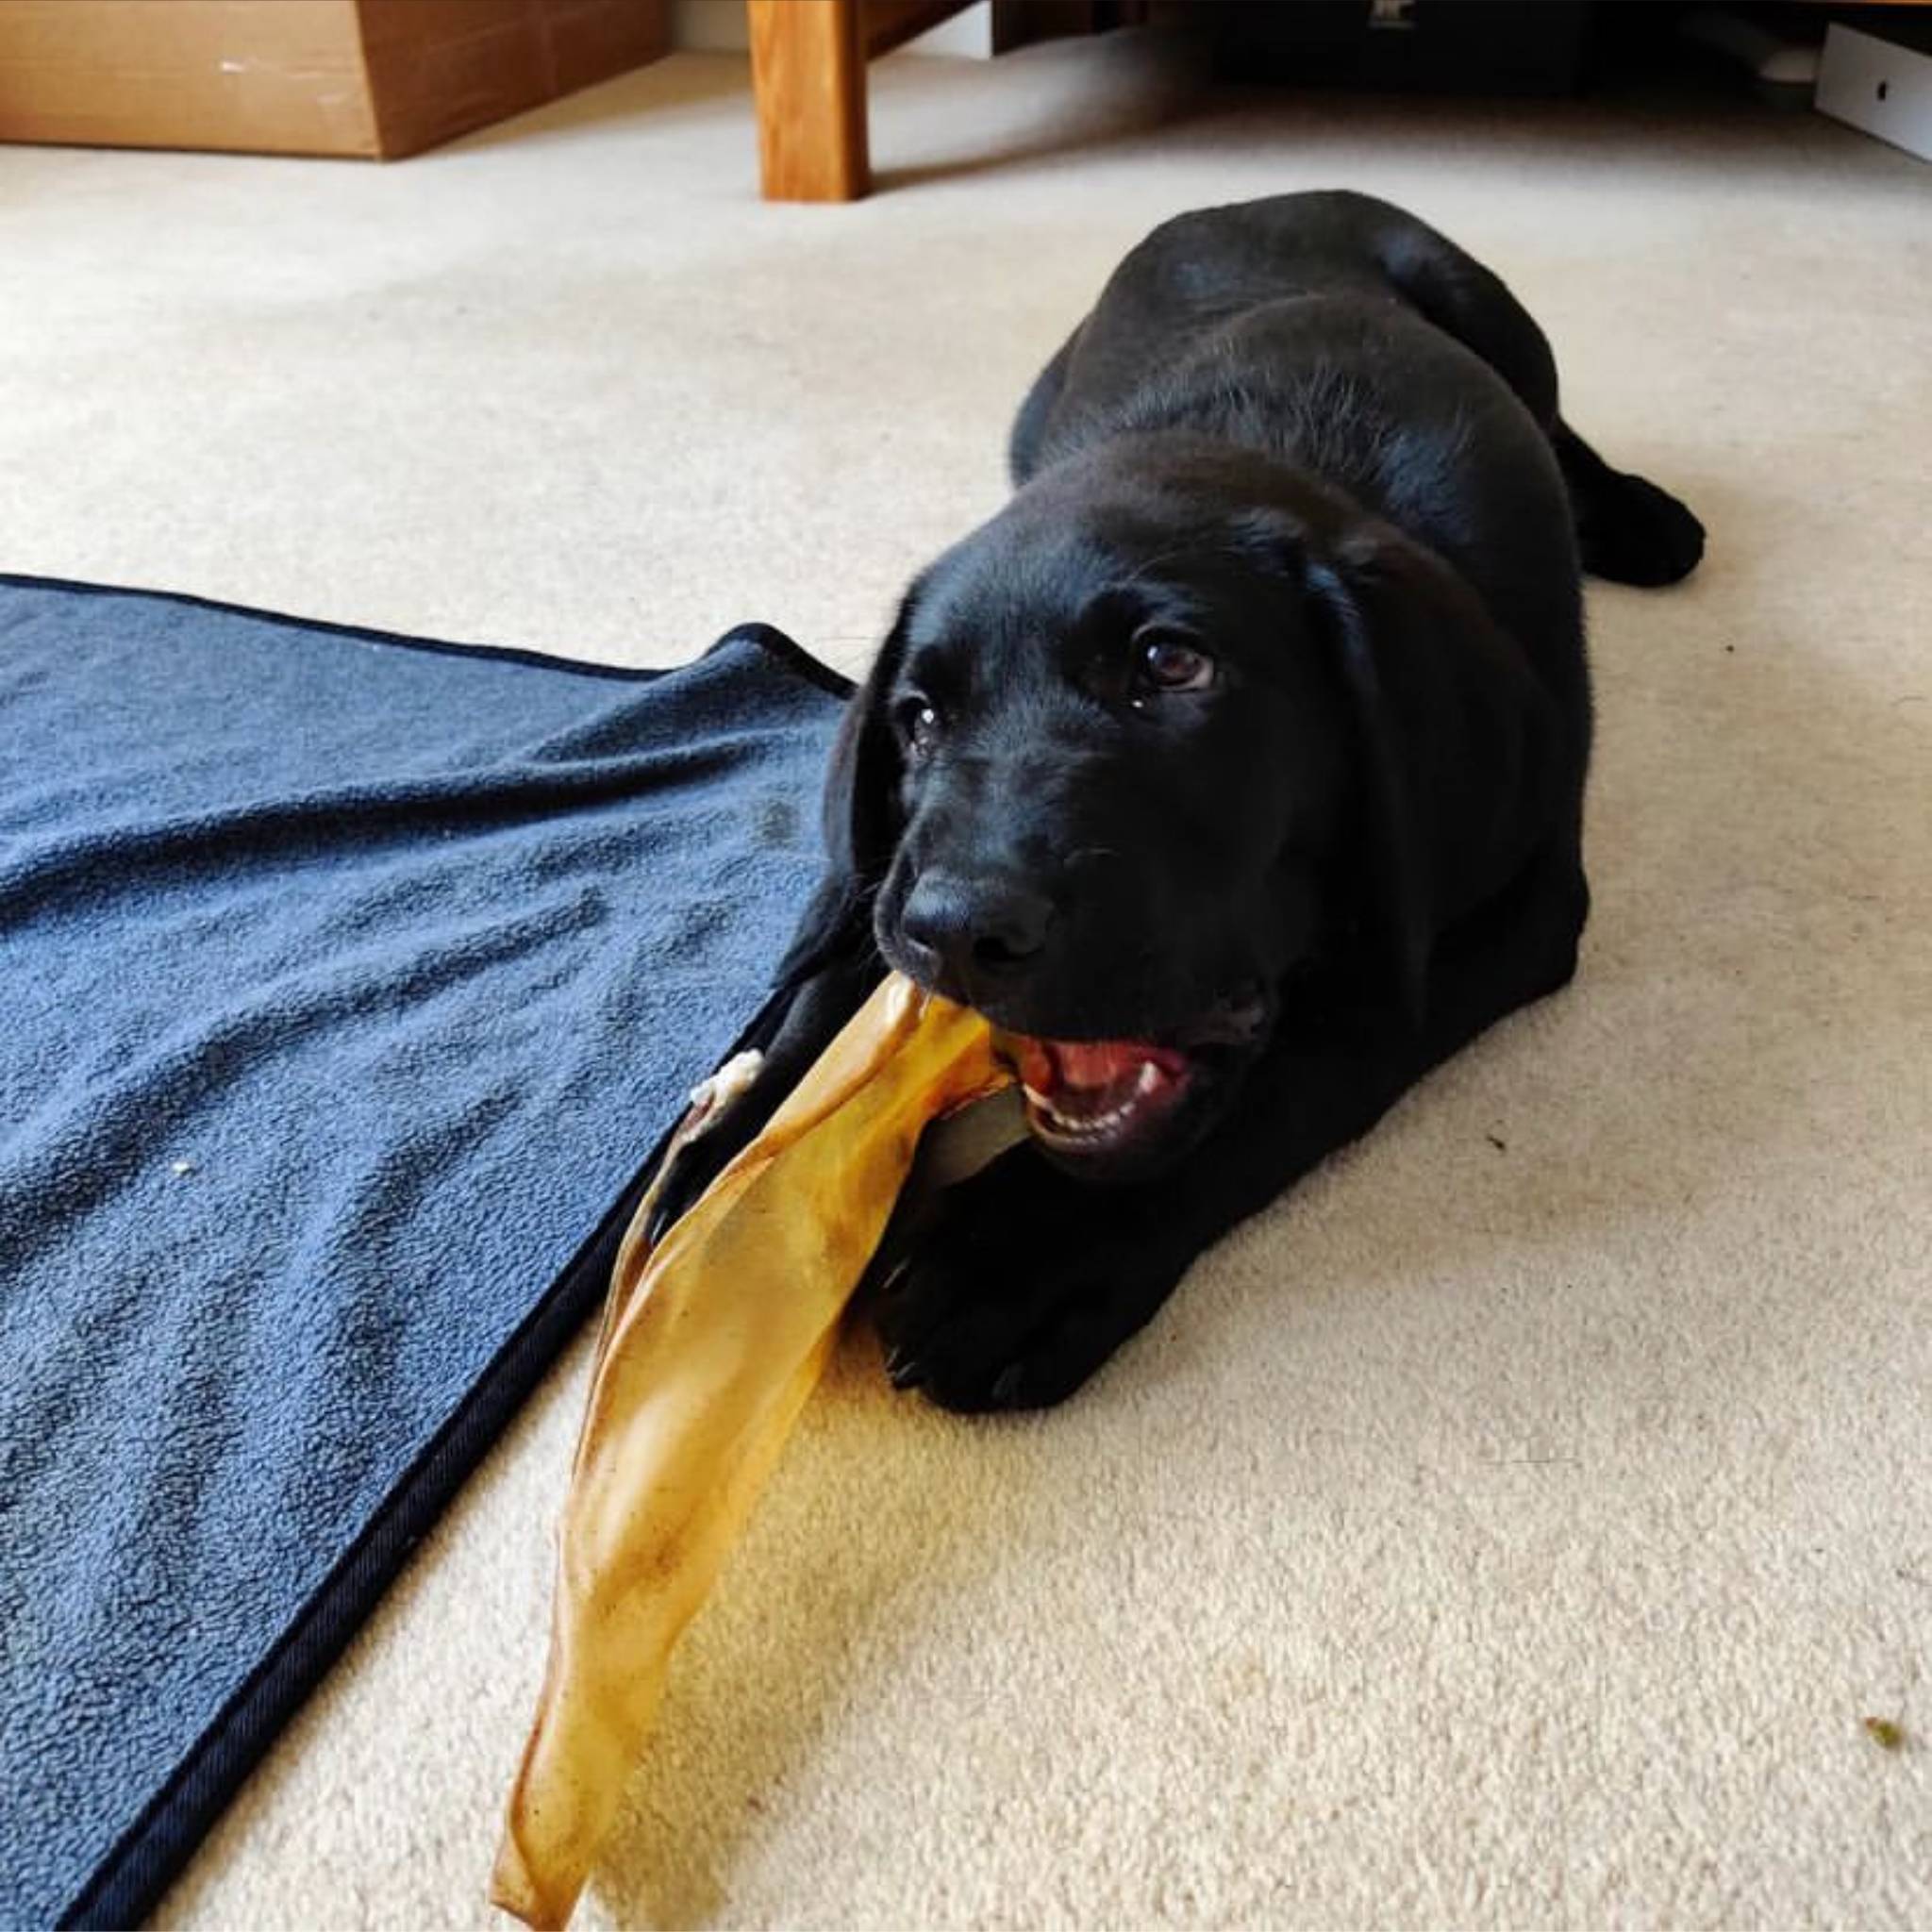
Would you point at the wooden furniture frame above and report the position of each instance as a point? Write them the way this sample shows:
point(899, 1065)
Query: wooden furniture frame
point(807, 73)
point(808, 69)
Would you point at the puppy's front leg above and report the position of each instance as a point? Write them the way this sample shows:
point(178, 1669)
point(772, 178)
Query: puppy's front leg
point(1015, 1286)
point(1026, 1279)
point(1018, 1283)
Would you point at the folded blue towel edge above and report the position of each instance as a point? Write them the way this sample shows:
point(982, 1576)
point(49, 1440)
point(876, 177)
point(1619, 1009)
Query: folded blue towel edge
point(150, 1855)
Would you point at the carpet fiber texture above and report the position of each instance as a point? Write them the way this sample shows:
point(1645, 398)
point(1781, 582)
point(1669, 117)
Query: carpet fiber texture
point(1516, 1524)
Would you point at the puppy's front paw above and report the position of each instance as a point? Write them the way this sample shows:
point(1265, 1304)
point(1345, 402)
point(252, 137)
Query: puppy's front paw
point(1016, 1290)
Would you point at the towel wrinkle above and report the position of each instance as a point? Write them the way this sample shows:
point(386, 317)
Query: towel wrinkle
point(345, 988)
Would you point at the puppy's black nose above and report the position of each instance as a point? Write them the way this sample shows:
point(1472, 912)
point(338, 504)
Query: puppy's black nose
point(979, 933)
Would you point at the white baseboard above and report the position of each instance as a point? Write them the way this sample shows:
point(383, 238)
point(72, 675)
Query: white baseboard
point(1877, 87)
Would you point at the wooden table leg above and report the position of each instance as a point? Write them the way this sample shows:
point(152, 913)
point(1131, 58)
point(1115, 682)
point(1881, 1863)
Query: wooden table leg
point(808, 70)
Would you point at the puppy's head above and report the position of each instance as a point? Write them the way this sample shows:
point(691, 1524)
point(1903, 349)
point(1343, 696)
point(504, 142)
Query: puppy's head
point(1163, 736)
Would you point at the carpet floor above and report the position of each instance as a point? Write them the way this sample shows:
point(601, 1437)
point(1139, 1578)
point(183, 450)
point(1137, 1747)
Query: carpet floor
point(1514, 1526)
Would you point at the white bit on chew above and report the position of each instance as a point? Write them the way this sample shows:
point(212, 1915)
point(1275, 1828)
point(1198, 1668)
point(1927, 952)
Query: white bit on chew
point(713, 1095)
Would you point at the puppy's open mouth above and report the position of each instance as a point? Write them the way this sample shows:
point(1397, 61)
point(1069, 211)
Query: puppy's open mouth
point(1117, 1108)
point(1095, 1097)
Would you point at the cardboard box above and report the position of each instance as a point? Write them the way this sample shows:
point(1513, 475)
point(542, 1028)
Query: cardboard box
point(373, 77)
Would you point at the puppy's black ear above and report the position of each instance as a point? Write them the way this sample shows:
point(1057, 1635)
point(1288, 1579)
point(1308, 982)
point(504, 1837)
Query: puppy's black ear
point(832, 964)
point(862, 819)
point(1460, 744)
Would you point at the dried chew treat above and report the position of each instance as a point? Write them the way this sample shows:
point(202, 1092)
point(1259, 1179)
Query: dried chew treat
point(711, 1344)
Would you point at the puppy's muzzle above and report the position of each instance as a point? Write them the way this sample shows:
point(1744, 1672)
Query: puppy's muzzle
point(977, 940)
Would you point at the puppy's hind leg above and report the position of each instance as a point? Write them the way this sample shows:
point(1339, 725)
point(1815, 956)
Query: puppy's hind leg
point(1627, 529)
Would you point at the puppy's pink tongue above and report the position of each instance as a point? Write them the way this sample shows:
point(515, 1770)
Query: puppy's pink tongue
point(1096, 1063)
point(1049, 1065)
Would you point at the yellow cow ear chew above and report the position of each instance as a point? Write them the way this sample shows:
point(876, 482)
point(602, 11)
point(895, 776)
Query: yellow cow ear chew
point(711, 1344)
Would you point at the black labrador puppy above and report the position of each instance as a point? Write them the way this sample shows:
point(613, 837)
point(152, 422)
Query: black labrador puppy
point(1237, 766)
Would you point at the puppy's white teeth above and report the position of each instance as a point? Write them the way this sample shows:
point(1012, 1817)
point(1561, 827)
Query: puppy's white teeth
point(1065, 1123)
point(1150, 1078)
point(1087, 1128)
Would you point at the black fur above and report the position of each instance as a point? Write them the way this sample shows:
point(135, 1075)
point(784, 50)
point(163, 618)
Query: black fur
point(1313, 440)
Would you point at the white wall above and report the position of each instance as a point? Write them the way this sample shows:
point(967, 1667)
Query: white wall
point(718, 26)
point(709, 25)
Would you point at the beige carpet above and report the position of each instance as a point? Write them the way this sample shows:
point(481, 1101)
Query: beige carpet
point(1513, 1527)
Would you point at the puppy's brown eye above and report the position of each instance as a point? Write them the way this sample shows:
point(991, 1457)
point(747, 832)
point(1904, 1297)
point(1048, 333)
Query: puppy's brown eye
point(1168, 663)
point(919, 723)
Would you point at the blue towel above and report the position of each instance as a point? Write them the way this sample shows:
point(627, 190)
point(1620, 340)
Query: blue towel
point(347, 985)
